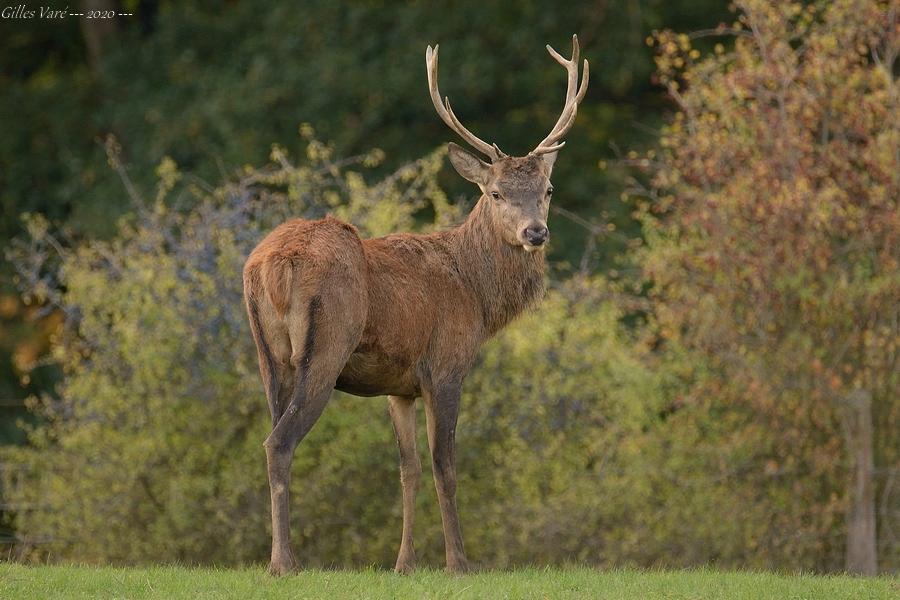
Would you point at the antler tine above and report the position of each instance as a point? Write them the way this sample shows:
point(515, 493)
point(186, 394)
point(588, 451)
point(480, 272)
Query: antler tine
point(552, 142)
point(446, 113)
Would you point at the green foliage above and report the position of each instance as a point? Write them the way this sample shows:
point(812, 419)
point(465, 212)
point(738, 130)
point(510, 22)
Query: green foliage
point(554, 417)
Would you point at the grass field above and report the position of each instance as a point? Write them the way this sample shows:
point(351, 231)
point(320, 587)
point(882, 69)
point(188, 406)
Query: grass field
point(17, 581)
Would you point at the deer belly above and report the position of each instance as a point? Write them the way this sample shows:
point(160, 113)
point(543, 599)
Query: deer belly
point(370, 373)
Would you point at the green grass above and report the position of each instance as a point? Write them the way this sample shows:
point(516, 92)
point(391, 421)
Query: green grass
point(17, 581)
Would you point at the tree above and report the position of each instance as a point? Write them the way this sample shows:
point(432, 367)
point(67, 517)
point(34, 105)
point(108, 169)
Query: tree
point(773, 246)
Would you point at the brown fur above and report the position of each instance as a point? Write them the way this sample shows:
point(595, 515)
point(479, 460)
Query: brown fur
point(417, 307)
point(402, 315)
point(431, 300)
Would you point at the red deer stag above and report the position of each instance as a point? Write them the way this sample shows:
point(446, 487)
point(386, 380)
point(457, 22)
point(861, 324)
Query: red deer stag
point(402, 316)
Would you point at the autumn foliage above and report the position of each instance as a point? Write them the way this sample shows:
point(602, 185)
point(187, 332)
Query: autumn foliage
point(774, 247)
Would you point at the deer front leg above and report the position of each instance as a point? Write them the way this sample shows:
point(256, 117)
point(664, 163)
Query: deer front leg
point(441, 410)
point(403, 417)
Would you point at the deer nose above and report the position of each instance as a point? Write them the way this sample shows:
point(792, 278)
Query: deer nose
point(536, 235)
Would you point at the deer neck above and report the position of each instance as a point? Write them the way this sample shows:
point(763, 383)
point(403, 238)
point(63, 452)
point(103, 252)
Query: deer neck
point(504, 279)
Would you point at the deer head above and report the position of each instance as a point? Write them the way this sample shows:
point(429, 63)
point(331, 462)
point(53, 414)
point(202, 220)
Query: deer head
point(517, 188)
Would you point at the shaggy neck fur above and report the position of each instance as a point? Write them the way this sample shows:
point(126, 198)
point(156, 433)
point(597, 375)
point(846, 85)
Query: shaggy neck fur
point(504, 279)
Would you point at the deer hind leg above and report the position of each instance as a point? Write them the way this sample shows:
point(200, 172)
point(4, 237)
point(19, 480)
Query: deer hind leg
point(403, 417)
point(322, 339)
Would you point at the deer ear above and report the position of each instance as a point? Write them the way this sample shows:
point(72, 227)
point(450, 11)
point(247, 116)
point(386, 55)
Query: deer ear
point(549, 159)
point(469, 166)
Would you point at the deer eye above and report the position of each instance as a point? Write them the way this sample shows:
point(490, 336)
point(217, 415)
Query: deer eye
point(495, 195)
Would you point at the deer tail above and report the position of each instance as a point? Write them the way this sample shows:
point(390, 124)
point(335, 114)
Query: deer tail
point(277, 277)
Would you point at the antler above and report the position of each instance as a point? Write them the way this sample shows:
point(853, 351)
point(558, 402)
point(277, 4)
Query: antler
point(552, 142)
point(446, 113)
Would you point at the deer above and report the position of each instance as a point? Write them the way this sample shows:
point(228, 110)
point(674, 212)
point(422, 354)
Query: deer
point(401, 316)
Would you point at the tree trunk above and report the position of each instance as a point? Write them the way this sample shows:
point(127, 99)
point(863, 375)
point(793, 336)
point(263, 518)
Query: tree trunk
point(95, 31)
point(861, 553)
